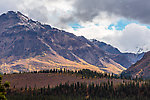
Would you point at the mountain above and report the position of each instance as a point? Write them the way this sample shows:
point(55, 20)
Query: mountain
point(124, 59)
point(140, 69)
point(27, 45)
point(106, 47)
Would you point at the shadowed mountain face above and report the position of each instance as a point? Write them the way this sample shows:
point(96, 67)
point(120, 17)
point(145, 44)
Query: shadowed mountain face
point(125, 59)
point(141, 68)
point(18, 38)
point(27, 45)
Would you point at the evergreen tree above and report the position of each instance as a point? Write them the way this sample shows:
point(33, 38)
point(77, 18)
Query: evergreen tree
point(3, 89)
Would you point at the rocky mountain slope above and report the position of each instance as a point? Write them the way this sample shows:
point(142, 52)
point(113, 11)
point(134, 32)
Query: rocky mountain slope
point(27, 45)
point(140, 69)
point(125, 59)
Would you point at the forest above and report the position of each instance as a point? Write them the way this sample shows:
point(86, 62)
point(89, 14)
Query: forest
point(136, 89)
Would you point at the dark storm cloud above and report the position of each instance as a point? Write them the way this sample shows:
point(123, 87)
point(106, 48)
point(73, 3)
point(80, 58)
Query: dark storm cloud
point(139, 10)
point(85, 10)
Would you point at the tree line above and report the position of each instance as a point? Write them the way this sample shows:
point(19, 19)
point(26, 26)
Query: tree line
point(82, 91)
point(85, 73)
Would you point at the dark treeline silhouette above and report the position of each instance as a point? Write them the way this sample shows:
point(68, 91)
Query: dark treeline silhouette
point(85, 73)
point(82, 91)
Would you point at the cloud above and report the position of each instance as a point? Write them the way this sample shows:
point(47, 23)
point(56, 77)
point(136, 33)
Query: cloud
point(134, 37)
point(54, 12)
point(39, 13)
point(66, 11)
point(131, 39)
point(6, 5)
point(139, 10)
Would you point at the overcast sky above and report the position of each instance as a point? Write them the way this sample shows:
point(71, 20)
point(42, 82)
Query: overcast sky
point(124, 24)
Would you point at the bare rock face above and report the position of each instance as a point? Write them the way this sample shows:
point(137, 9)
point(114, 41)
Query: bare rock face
point(27, 45)
point(140, 69)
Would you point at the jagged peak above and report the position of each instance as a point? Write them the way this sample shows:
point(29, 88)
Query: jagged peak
point(17, 18)
point(15, 15)
point(22, 16)
point(11, 12)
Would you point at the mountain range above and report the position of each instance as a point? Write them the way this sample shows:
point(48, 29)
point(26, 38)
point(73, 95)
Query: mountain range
point(28, 45)
point(139, 69)
point(124, 59)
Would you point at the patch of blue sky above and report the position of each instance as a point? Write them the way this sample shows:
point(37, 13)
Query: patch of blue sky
point(97, 24)
point(110, 26)
point(148, 27)
point(121, 24)
point(75, 26)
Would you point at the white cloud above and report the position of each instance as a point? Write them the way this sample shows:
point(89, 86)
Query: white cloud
point(133, 37)
point(97, 28)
